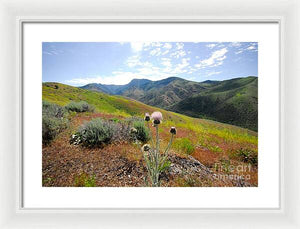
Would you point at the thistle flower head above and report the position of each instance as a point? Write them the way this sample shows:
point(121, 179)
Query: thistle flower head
point(156, 117)
point(147, 117)
point(146, 147)
point(173, 130)
point(133, 130)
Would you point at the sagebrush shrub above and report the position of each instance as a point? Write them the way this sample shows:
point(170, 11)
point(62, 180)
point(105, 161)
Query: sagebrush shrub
point(50, 128)
point(52, 110)
point(81, 106)
point(96, 133)
point(142, 133)
point(121, 131)
point(53, 121)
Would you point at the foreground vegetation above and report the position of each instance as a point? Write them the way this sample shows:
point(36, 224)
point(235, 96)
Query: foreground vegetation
point(72, 157)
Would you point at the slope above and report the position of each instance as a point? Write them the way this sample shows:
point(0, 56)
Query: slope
point(233, 101)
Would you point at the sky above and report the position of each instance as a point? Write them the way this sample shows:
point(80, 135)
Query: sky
point(81, 63)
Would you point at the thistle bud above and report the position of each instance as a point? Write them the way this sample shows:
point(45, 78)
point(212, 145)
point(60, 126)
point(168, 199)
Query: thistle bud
point(146, 147)
point(156, 122)
point(173, 130)
point(133, 130)
point(147, 117)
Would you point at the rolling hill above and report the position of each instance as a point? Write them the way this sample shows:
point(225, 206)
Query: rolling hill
point(232, 101)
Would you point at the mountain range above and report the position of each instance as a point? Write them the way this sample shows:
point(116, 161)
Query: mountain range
point(233, 101)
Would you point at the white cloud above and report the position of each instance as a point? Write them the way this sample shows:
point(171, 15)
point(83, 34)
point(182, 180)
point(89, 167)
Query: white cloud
point(214, 60)
point(251, 48)
point(177, 54)
point(192, 70)
point(155, 52)
point(48, 53)
point(117, 77)
point(53, 52)
point(166, 62)
point(158, 48)
point(211, 46)
point(165, 52)
point(167, 46)
point(212, 73)
point(179, 46)
point(146, 64)
point(137, 46)
point(156, 44)
point(133, 61)
point(185, 62)
point(235, 44)
point(99, 79)
point(180, 68)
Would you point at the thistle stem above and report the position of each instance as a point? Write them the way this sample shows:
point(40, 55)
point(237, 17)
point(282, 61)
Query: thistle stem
point(151, 138)
point(157, 157)
point(165, 155)
point(169, 145)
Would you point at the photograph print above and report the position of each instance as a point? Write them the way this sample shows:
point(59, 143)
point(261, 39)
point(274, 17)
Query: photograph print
point(150, 114)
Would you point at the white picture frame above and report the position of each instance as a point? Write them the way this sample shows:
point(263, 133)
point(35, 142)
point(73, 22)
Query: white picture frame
point(18, 12)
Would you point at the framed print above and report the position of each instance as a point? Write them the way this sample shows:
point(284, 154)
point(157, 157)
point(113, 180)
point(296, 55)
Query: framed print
point(183, 117)
point(180, 119)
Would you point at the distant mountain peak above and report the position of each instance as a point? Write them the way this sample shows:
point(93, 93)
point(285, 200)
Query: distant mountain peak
point(210, 81)
point(137, 79)
point(133, 81)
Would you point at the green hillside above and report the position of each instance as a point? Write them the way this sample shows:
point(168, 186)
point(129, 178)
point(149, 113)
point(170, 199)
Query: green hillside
point(232, 101)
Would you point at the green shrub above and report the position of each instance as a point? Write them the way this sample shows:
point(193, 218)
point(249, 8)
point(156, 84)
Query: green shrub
point(96, 133)
point(142, 133)
point(165, 166)
point(53, 121)
point(131, 120)
point(248, 156)
point(116, 120)
point(84, 180)
point(184, 145)
point(81, 106)
point(214, 148)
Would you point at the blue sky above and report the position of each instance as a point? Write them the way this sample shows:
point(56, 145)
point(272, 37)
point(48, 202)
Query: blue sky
point(80, 63)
